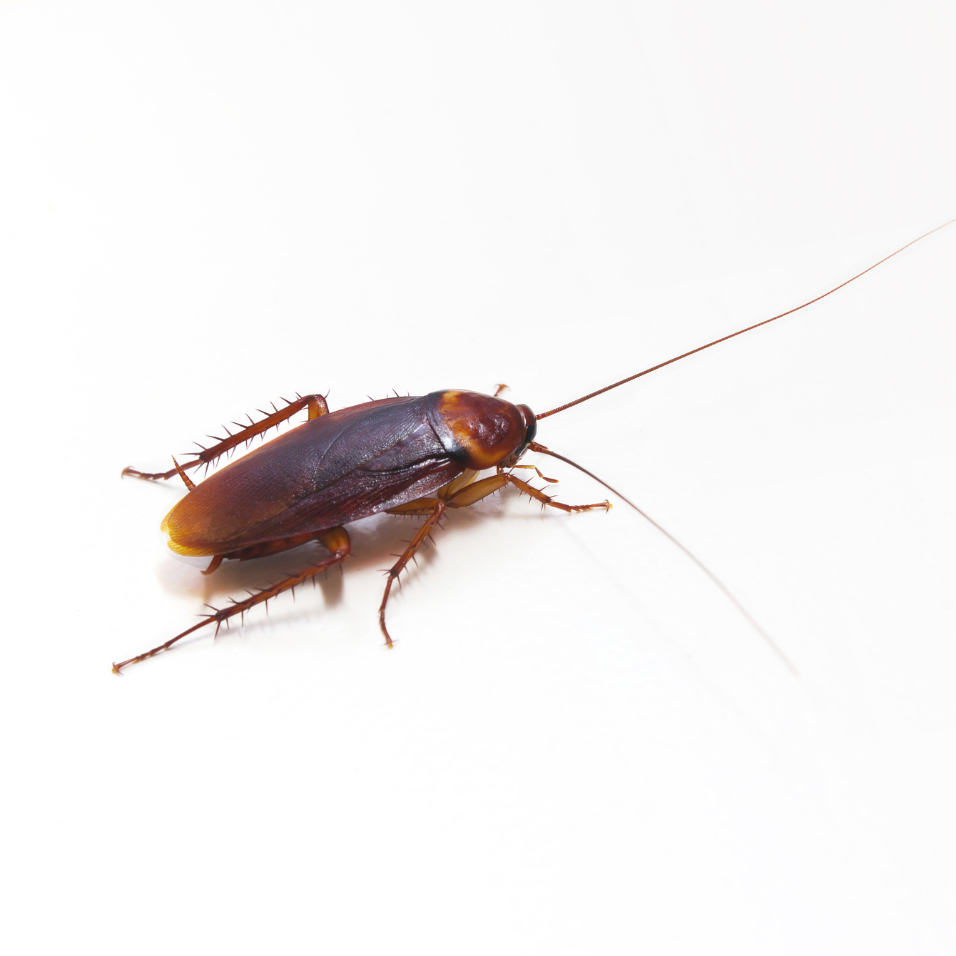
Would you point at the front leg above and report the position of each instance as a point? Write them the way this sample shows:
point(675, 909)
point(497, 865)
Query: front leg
point(488, 486)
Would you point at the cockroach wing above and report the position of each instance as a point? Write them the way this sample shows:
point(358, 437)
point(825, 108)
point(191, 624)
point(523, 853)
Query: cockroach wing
point(326, 472)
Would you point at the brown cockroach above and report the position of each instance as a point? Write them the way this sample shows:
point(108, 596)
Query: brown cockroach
point(417, 455)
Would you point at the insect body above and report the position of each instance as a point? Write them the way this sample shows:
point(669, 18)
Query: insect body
point(406, 456)
point(390, 455)
point(340, 467)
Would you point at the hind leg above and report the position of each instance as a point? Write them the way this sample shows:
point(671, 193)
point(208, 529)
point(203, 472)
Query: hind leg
point(315, 403)
point(336, 540)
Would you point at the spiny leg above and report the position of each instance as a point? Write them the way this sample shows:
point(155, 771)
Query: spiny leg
point(463, 497)
point(316, 404)
point(488, 486)
point(336, 540)
point(535, 468)
point(549, 501)
point(434, 508)
point(187, 481)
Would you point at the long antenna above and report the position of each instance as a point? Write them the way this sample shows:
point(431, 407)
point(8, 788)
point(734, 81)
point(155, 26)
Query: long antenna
point(771, 643)
point(750, 328)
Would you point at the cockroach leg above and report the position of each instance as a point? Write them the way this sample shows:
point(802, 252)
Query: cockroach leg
point(462, 496)
point(336, 540)
point(488, 486)
point(452, 488)
point(537, 471)
point(548, 500)
point(434, 508)
point(187, 481)
point(275, 546)
point(316, 405)
point(216, 561)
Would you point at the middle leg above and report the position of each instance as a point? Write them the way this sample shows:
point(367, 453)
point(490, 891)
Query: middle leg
point(434, 508)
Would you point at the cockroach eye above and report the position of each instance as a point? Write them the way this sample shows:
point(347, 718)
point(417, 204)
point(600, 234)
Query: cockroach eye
point(530, 426)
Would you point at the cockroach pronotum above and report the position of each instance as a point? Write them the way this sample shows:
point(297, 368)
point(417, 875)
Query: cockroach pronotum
point(417, 455)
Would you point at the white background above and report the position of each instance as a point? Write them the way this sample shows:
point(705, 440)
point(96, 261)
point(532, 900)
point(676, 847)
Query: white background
point(577, 744)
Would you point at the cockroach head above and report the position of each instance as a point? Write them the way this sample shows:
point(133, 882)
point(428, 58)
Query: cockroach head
point(481, 431)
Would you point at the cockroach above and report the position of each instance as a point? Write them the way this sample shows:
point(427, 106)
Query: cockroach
point(417, 455)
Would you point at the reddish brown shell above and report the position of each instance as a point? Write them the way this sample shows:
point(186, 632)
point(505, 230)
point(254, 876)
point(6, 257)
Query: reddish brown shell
point(326, 472)
point(345, 466)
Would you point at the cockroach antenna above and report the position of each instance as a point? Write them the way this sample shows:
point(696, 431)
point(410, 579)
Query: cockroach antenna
point(544, 450)
point(733, 335)
point(770, 642)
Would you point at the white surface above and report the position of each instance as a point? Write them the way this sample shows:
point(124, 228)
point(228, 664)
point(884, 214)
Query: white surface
point(577, 746)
